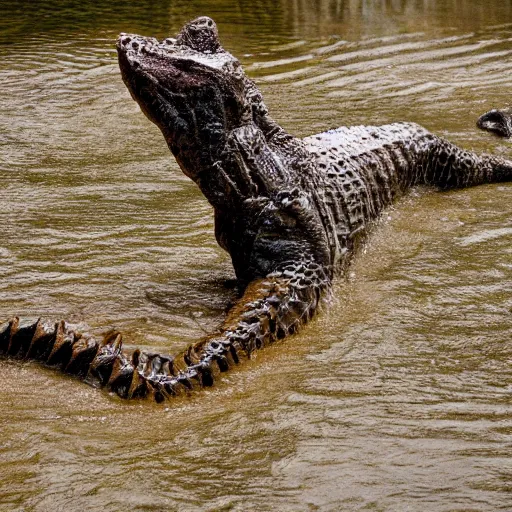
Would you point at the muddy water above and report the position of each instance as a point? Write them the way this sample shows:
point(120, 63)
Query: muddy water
point(398, 397)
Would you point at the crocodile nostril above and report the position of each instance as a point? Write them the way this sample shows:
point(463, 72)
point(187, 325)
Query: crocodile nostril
point(125, 40)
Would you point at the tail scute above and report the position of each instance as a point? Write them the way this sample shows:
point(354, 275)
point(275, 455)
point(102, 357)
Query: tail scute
point(5, 336)
point(83, 352)
point(103, 363)
point(43, 341)
point(62, 347)
point(22, 332)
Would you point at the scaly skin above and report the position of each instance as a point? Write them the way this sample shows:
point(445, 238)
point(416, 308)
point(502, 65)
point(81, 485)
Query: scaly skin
point(497, 121)
point(290, 212)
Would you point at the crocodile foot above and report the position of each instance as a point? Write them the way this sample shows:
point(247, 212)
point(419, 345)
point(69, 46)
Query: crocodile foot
point(497, 121)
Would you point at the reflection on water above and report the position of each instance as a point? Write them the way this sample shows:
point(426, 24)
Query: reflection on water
point(397, 398)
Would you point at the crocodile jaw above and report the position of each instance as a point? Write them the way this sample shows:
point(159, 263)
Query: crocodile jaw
point(191, 88)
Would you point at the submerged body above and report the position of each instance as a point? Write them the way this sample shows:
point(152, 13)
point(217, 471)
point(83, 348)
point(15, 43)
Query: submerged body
point(290, 212)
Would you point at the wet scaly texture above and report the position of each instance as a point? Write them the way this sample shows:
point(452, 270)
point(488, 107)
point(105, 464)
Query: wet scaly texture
point(397, 397)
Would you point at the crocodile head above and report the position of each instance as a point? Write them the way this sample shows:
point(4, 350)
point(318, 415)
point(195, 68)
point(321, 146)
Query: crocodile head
point(190, 87)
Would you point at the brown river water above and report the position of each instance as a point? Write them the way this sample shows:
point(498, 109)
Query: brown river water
point(398, 397)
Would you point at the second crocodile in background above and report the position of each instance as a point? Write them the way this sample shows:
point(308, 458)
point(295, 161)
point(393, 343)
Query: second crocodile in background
point(289, 211)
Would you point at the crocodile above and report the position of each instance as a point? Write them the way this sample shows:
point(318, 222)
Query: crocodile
point(290, 212)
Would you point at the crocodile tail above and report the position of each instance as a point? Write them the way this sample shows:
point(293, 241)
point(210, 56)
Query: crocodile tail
point(100, 363)
point(270, 309)
point(448, 166)
point(64, 346)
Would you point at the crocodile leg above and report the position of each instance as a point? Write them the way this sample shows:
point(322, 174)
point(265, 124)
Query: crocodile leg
point(448, 166)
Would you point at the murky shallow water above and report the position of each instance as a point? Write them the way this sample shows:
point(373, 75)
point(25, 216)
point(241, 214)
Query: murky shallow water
point(399, 397)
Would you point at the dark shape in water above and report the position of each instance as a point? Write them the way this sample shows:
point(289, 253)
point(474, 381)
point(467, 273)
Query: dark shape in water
point(290, 211)
point(497, 121)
